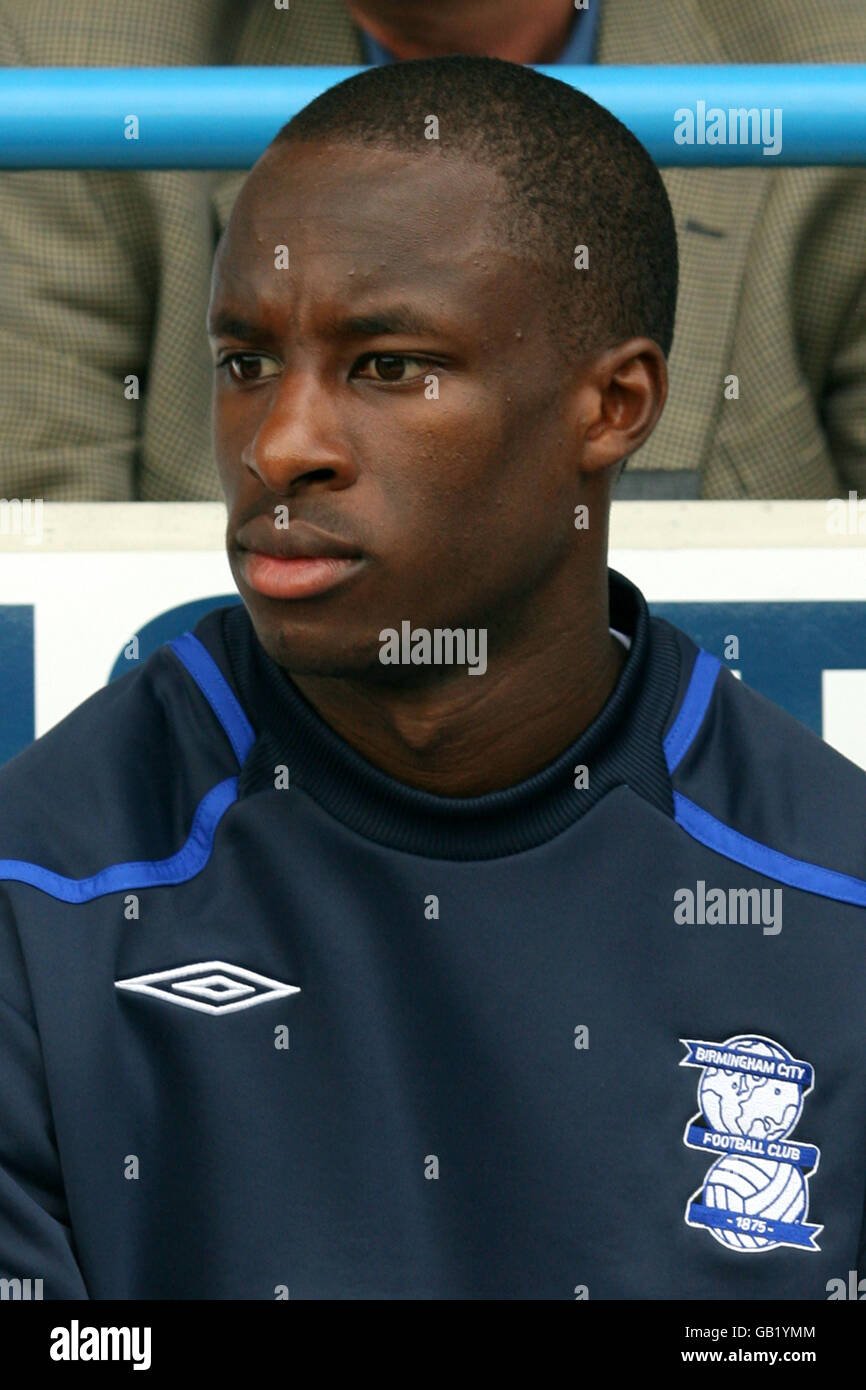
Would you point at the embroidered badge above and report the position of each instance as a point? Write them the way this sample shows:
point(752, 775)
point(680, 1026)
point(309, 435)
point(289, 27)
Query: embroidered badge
point(756, 1195)
point(210, 986)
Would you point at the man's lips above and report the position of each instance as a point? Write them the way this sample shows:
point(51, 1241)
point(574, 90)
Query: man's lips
point(295, 562)
point(297, 541)
point(278, 577)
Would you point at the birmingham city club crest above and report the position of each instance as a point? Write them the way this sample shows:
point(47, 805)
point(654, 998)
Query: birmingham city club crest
point(756, 1194)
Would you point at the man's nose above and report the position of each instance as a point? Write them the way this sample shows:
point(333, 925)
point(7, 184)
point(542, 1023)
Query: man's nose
point(300, 441)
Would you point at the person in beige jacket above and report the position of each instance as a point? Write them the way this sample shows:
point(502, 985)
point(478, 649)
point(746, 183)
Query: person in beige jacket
point(105, 275)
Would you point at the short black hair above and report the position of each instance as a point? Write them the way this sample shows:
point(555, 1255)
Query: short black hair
point(575, 176)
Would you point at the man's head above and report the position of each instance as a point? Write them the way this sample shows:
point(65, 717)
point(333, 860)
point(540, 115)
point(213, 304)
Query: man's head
point(433, 211)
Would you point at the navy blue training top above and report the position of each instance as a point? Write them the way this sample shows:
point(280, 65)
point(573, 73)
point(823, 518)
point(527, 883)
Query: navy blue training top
point(274, 1024)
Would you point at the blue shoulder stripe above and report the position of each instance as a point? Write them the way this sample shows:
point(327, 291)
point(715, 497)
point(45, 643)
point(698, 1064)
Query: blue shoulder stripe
point(213, 685)
point(715, 834)
point(798, 873)
point(146, 873)
point(693, 708)
point(191, 858)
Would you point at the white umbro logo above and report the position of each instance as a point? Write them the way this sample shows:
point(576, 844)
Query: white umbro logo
point(211, 986)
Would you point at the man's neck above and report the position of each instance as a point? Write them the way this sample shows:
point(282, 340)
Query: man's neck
point(510, 29)
point(468, 736)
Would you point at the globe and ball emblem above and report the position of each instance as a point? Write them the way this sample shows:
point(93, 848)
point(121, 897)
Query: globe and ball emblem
point(746, 1103)
point(755, 1107)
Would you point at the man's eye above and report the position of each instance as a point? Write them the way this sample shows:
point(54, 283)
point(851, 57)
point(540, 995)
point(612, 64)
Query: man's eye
point(248, 366)
point(389, 366)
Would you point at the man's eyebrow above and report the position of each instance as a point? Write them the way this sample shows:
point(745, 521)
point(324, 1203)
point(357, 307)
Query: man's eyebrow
point(400, 318)
point(227, 324)
point(393, 320)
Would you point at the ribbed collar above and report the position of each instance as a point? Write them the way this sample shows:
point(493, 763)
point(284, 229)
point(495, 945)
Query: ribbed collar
point(622, 746)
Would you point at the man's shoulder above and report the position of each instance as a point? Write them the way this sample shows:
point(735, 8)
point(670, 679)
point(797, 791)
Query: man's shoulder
point(727, 31)
point(120, 776)
point(752, 781)
point(786, 31)
point(126, 33)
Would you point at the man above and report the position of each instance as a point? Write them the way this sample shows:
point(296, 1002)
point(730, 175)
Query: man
point(351, 945)
point(106, 272)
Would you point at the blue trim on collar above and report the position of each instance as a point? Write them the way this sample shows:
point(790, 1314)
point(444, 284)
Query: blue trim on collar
point(375, 53)
point(580, 44)
point(693, 708)
point(707, 830)
point(213, 685)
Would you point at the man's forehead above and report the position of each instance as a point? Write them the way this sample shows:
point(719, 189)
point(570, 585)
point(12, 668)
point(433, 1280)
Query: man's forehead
point(360, 234)
point(342, 192)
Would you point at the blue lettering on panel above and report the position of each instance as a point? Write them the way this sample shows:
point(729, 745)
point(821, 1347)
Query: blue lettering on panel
point(784, 647)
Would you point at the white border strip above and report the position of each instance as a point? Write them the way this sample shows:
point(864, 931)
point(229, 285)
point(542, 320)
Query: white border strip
point(186, 526)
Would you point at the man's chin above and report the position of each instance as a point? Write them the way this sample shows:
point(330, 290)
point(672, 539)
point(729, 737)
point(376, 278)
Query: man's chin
point(303, 654)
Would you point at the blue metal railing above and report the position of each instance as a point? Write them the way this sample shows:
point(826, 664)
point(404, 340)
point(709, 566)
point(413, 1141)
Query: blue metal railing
point(223, 117)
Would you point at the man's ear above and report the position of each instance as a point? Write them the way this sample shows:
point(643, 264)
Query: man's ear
point(621, 396)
